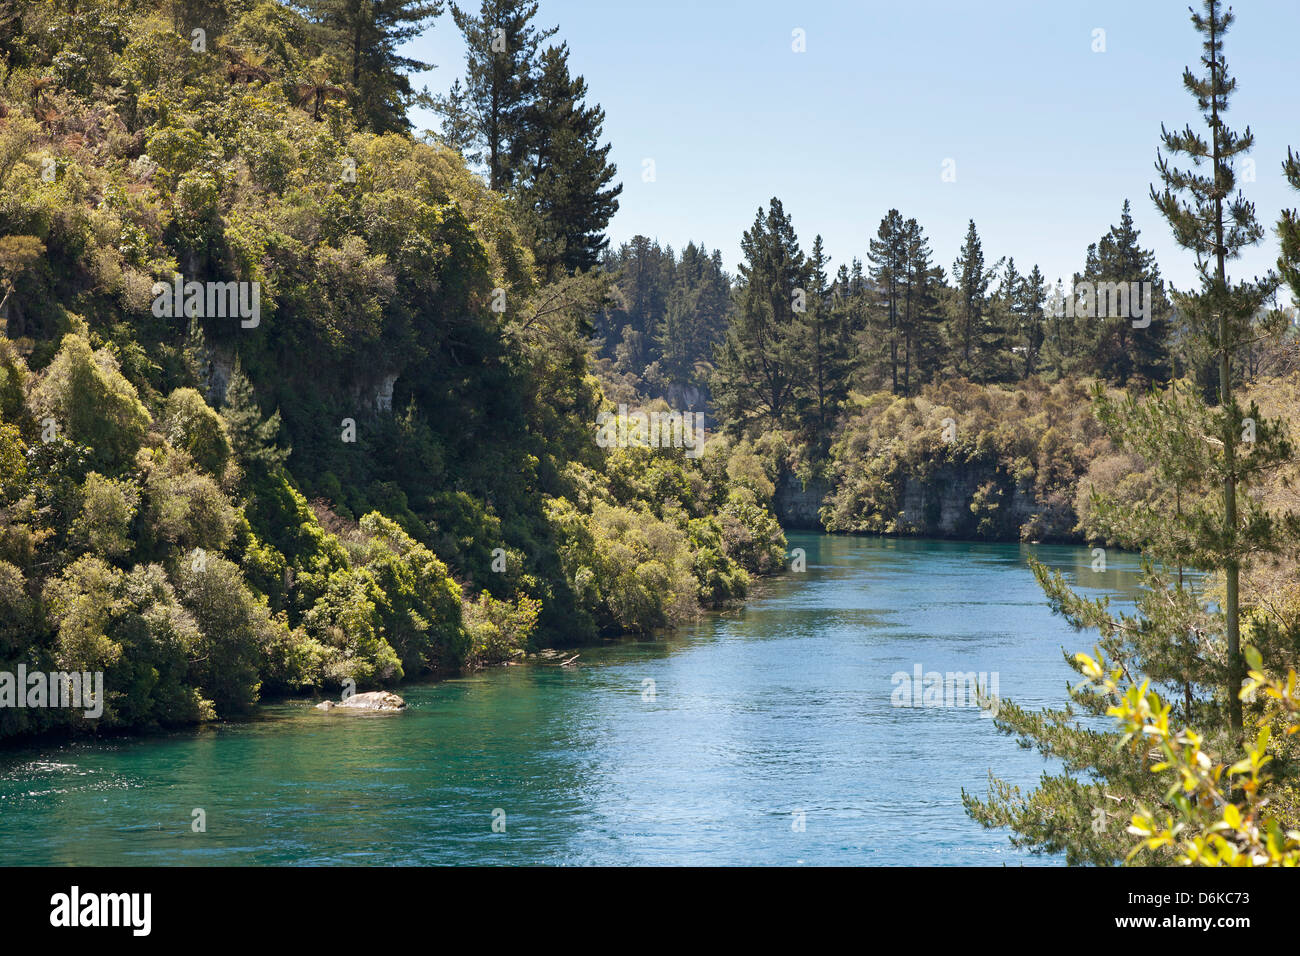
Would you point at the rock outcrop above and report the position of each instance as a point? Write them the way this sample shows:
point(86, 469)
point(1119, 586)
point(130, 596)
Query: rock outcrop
point(796, 506)
point(375, 700)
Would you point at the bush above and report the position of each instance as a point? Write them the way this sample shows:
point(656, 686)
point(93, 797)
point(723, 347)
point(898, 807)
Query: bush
point(420, 610)
point(130, 626)
point(91, 401)
point(346, 620)
point(190, 424)
point(499, 630)
point(107, 510)
point(184, 507)
point(235, 631)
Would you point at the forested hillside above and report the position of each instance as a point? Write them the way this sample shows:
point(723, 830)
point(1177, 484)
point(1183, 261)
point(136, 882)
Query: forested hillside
point(907, 399)
point(290, 397)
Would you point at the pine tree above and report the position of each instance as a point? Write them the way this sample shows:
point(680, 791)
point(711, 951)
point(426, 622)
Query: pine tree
point(1067, 349)
point(922, 313)
point(1288, 231)
point(643, 273)
point(500, 83)
point(824, 343)
point(971, 281)
point(252, 438)
point(695, 316)
point(1033, 299)
point(566, 185)
point(457, 130)
point(857, 290)
point(888, 258)
point(1001, 324)
point(1204, 460)
point(1208, 219)
point(760, 365)
point(1120, 350)
point(366, 35)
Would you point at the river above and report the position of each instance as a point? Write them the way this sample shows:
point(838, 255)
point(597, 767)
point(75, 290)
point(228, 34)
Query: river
point(761, 736)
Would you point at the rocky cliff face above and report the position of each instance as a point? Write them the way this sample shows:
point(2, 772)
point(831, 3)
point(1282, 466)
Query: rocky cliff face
point(686, 397)
point(216, 366)
point(796, 506)
point(964, 502)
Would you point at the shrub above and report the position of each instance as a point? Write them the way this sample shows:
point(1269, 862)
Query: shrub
point(190, 424)
point(92, 402)
point(499, 630)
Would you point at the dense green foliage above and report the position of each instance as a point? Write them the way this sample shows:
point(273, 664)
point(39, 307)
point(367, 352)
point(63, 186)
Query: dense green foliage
point(1203, 504)
point(523, 116)
point(391, 468)
point(667, 314)
point(965, 460)
point(854, 375)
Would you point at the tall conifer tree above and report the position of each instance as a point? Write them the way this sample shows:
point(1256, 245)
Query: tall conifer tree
point(970, 303)
point(366, 35)
point(1204, 460)
point(1033, 299)
point(500, 82)
point(888, 258)
point(567, 183)
point(1288, 231)
point(922, 313)
point(826, 354)
point(1120, 350)
point(761, 363)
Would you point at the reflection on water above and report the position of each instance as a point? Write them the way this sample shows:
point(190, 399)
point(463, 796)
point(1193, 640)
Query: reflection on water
point(759, 736)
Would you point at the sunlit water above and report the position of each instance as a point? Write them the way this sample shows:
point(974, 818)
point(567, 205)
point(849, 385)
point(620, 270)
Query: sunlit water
point(700, 747)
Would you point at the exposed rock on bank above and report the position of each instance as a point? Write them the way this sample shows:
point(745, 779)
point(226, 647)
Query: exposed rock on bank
point(375, 700)
point(797, 505)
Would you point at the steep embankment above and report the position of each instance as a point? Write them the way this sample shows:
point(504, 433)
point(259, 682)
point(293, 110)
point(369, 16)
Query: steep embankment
point(957, 461)
point(264, 424)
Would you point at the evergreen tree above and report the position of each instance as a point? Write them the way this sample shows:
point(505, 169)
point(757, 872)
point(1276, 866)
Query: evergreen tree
point(826, 354)
point(1204, 459)
point(695, 316)
point(971, 282)
point(856, 294)
point(500, 83)
point(1066, 346)
point(888, 258)
point(1216, 224)
point(1288, 231)
point(1002, 322)
point(1033, 299)
point(457, 130)
point(252, 437)
point(922, 312)
point(1121, 351)
point(644, 273)
point(567, 185)
point(761, 365)
point(366, 35)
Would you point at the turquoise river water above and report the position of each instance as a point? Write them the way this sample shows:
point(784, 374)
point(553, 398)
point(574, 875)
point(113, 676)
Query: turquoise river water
point(767, 735)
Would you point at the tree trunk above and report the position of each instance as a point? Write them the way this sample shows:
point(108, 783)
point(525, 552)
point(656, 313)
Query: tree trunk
point(1232, 571)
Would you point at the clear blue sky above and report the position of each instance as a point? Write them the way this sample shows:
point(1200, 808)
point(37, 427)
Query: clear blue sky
point(1048, 137)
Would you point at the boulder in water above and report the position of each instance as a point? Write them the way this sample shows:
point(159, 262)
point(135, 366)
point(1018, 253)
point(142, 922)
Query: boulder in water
point(375, 700)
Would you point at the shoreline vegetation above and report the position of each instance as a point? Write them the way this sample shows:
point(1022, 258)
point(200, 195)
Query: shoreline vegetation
point(367, 449)
point(295, 398)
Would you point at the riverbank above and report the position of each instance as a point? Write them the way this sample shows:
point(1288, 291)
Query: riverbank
point(700, 745)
